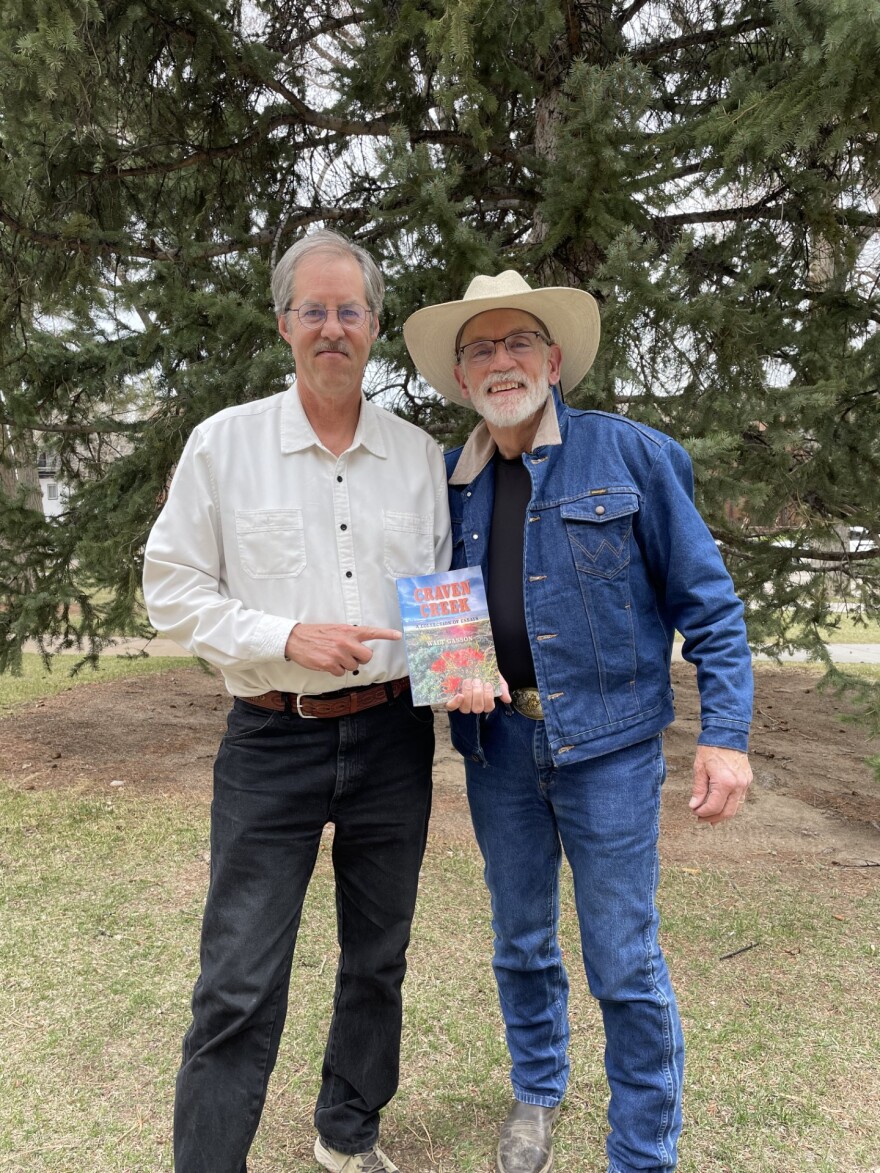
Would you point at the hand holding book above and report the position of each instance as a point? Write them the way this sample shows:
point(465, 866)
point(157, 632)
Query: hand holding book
point(475, 696)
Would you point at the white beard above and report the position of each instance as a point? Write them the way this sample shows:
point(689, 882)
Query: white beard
point(508, 412)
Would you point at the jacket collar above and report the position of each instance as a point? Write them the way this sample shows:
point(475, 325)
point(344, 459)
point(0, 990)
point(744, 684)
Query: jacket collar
point(480, 447)
point(297, 433)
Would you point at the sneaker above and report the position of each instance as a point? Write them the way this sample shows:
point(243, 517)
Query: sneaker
point(373, 1161)
point(525, 1144)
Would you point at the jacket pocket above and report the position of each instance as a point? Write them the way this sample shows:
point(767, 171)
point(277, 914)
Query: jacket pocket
point(409, 543)
point(271, 542)
point(599, 529)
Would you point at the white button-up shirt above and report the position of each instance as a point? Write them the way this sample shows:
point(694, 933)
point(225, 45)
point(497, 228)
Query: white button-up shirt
point(264, 528)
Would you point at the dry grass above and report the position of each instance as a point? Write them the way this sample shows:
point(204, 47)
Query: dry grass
point(98, 942)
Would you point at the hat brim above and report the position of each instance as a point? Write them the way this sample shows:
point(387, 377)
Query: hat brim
point(571, 316)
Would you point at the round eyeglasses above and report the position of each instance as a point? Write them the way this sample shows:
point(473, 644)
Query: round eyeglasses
point(313, 316)
point(518, 345)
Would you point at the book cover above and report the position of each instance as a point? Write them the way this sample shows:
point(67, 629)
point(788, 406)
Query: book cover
point(447, 633)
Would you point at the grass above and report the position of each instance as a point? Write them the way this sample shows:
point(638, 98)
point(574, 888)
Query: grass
point(38, 681)
point(101, 904)
point(100, 901)
point(846, 630)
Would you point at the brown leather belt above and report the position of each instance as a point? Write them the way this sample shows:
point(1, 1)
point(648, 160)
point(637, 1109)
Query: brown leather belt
point(332, 704)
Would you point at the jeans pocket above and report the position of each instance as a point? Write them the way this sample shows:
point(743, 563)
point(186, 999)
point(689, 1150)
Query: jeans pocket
point(246, 721)
point(421, 715)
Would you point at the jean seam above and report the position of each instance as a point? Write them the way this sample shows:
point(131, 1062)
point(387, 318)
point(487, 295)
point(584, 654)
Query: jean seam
point(559, 1034)
point(662, 1000)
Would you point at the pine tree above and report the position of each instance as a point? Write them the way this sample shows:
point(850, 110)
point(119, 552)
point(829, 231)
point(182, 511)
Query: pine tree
point(708, 169)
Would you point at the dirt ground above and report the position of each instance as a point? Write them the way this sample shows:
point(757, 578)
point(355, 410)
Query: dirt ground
point(813, 800)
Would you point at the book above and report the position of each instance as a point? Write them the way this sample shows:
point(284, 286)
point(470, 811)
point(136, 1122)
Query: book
point(446, 632)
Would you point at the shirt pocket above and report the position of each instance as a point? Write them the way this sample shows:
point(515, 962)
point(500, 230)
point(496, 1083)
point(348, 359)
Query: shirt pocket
point(271, 542)
point(408, 543)
point(599, 528)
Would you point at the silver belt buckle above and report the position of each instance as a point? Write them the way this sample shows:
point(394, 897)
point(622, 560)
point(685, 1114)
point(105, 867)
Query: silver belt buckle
point(528, 702)
point(299, 712)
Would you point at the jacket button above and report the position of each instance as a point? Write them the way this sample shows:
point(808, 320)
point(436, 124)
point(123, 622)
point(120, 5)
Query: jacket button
point(600, 509)
point(475, 536)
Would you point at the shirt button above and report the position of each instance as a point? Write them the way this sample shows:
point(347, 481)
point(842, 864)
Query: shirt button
point(475, 536)
point(348, 574)
point(343, 526)
point(600, 509)
point(339, 479)
point(356, 672)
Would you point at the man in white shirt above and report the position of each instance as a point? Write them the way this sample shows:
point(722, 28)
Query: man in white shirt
point(274, 558)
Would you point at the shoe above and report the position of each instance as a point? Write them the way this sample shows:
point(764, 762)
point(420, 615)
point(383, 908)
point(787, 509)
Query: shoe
point(525, 1144)
point(373, 1161)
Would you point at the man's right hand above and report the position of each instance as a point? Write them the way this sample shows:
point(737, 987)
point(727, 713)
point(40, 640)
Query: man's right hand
point(474, 696)
point(336, 648)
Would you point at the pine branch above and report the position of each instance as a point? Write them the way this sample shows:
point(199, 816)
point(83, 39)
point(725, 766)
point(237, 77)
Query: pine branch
point(334, 24)
point(633, 10)
point(709, 38)
point(205, 155)
point(99, 428)
point(846, 217)
point(342, 129)
point(101, 244)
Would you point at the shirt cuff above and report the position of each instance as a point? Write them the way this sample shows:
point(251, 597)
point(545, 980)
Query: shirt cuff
point(270, 638)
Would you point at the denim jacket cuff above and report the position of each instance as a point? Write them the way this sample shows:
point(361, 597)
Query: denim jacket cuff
point(734, 735)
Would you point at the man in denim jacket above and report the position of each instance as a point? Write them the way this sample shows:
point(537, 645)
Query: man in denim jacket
point(594, 555)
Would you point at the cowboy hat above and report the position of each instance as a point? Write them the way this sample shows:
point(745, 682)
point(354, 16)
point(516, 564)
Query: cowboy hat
point(571, 316)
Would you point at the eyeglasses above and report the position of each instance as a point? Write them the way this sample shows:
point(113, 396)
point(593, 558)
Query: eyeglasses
point(313, 316)
point(518, 345)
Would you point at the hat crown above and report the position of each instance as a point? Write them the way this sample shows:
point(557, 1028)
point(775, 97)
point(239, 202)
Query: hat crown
point(506, 284)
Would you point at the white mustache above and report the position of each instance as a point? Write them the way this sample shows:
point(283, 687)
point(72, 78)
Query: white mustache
point(333, 348)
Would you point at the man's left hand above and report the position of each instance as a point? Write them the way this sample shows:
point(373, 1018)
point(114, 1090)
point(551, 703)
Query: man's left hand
point(721, 779)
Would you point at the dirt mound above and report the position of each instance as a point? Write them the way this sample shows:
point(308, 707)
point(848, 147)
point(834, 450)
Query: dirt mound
point(813, 797)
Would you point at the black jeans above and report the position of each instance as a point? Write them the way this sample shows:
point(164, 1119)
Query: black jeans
point(278, 780)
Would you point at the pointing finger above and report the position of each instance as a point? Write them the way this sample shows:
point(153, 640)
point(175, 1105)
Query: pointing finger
point(364, 633)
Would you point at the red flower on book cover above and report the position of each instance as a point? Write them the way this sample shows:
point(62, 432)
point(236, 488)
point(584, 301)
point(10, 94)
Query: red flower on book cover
point(462, 658)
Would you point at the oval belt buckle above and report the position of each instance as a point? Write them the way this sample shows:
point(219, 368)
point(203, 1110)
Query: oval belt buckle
point(527, 701)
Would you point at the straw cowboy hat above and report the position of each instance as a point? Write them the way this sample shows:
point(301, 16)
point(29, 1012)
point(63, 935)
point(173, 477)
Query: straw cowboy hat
point(571, 316)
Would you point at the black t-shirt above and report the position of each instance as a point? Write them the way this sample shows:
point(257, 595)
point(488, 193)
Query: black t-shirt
point(513, 489)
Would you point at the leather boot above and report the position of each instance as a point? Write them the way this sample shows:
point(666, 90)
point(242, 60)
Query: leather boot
point(525, 1144)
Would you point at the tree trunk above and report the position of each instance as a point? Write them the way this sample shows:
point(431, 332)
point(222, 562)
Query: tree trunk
point(18, 468)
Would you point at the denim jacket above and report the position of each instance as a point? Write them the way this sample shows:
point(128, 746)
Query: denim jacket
point(616, 558)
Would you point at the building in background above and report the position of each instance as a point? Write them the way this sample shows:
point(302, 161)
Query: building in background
point(53, 491)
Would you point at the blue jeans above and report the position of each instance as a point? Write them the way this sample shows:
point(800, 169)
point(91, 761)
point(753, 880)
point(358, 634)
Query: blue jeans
point(278, 780)
point(604, 814)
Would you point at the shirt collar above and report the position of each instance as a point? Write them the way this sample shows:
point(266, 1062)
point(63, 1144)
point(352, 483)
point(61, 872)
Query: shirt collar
point(297, 433)
point(480, 447)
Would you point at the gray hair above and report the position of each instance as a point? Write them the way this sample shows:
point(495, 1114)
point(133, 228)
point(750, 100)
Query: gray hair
point(323, 240)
